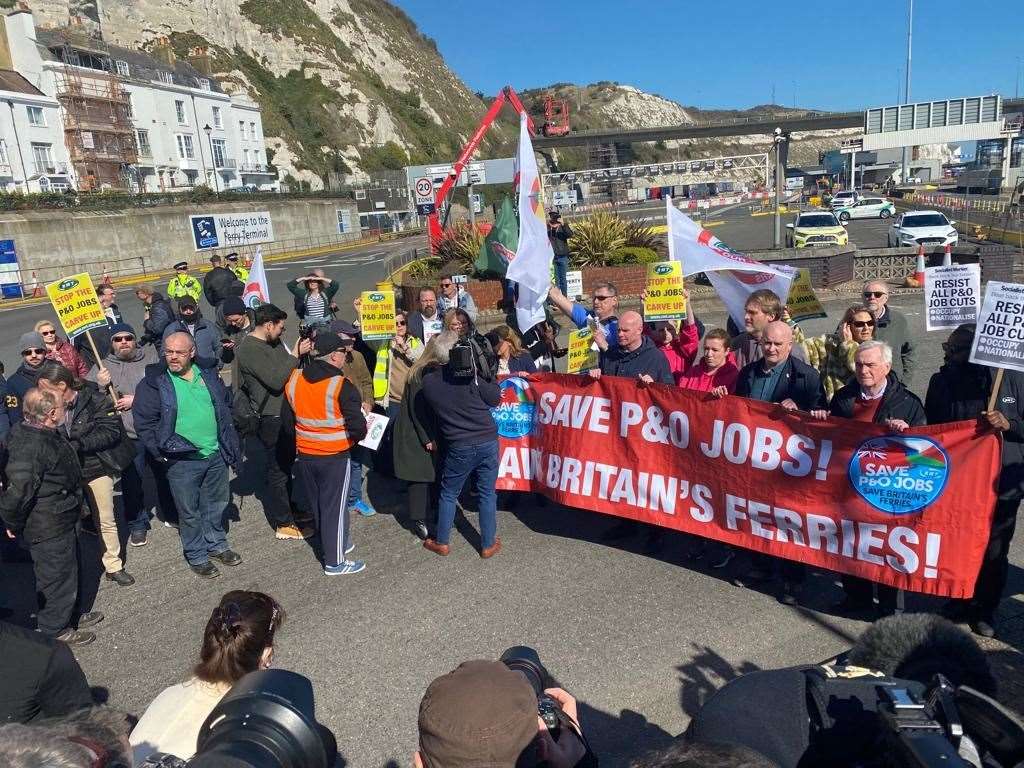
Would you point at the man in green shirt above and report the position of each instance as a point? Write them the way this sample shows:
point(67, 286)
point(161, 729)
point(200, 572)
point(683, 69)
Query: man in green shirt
point(182, 414)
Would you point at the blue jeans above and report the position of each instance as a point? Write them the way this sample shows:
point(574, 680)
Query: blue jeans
point(201, 494)
point(355, 482)
point(561, 268)
point(459, 461)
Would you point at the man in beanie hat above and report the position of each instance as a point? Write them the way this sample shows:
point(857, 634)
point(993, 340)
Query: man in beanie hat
point(202, 331)
point(234, 322)
point(33, 355)
point(484, 715)
point(322, 418)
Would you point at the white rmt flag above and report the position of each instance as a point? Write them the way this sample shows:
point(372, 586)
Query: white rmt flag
point(256, 291)
point(531, 267)
point(732, 274)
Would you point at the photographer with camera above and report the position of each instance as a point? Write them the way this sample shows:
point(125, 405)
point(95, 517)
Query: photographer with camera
point(239, 638)
point(462, 401)
point(503, 714)
point(558, 235)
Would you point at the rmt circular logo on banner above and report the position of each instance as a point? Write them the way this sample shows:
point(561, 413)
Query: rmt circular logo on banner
point(514, 413)
point(899, 475)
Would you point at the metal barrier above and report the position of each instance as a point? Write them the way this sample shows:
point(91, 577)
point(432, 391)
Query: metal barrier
point(396, 261)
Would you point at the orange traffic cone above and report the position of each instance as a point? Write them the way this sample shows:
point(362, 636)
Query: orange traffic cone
point(947, 256)
point(37, 289)
point(105, 279)
point(917, 279)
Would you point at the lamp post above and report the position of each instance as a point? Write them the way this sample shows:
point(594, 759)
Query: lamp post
point(780, 179)
point(213, 158)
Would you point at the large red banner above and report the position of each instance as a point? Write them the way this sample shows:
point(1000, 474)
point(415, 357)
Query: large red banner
point(910, 510)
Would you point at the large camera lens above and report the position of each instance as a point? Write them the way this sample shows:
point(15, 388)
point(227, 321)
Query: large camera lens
point(524, 659)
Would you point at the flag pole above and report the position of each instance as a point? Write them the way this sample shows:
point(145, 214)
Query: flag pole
point(996, 384)
point(101, 366)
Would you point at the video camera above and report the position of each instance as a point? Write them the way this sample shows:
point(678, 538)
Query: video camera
point(526, 661)
point(462, 361)
point(266, 720)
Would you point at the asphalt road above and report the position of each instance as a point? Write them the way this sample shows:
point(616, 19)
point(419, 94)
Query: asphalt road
point(640, 639)
point(356, 270)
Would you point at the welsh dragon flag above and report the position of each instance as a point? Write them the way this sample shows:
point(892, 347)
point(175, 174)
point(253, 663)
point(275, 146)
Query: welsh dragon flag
point(499, 247)
point(256, 290)
point(531, 267)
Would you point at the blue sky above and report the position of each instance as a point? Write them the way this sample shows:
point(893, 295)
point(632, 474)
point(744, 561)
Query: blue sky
point(834, 56)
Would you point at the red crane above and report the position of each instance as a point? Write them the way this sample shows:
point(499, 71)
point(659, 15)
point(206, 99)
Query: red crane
point(508, 94)
point(556, 117)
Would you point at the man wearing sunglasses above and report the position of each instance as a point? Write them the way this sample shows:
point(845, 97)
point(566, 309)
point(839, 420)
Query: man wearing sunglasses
point(452, 297)
point(606, 302)
point(33, 355)
point(891, 327)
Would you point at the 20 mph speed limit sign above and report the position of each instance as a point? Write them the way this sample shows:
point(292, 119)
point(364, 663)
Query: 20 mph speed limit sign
point(424, 188)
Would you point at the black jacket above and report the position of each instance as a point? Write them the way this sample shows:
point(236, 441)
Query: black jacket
point(44, 484)
point(645, 359)
point(559, 239)
point(96, 432)
point(462, 407)
point(959, 392)
point(41, 677)
point(161, 314)
point(797, 382)
point(21, 381)
point(349, 401)
point(415, 321)
point(219, 284)
point(415, 426)
point(898, 402)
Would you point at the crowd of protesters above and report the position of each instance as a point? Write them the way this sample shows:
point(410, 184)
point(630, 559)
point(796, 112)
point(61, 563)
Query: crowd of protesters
point(185, 399)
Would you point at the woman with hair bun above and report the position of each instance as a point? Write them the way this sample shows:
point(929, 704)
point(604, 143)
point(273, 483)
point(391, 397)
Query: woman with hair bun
point(239, 639)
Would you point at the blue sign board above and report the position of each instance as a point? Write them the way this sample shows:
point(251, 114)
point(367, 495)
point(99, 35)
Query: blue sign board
point(10, 277)
point(204, 232)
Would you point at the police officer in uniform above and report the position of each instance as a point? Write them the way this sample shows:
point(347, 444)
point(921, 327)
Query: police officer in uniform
point(241, 271)
point(183, 284)
point(321, 419)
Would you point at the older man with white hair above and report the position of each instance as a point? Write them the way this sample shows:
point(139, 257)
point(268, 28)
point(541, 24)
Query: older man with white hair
point(182, 414)
point(877, 396)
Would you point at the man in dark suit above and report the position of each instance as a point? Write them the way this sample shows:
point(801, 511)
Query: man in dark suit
point(780, 378)
point(100, 336)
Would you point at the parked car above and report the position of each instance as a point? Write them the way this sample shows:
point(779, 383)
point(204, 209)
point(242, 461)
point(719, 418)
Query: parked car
point(816, 228)
point(927, 228)
point(867, 208)
point(843, 199)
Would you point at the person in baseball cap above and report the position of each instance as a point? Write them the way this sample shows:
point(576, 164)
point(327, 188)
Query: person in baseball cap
point(484, 715)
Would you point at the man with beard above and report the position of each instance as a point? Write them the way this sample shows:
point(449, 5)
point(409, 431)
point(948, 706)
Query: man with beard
point(124, 368)
point(33, 355)
point(205, 335)
point(960, 390)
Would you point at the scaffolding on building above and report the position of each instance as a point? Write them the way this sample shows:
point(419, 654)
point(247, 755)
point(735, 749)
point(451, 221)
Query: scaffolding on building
point(98, 128)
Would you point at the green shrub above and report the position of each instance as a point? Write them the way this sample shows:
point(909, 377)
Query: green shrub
point(639, 235)
point(632, 254)
point(458, 248)
point(596, 238)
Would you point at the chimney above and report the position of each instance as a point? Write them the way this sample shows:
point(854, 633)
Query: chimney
point(162, 51)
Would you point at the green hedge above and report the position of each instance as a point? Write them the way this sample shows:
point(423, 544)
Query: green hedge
point(632, 254)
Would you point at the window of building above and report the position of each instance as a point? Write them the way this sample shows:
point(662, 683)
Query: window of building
point(186, 151)
point(245, 158)
point(87, 141)
point(220, 153)
point(130, 106)
point(142, 138)
point(164, 77)
point(1016, 153)
point(241, 128)
point(252, 131)
point(36, 116)
point(122, 68)
point(3, 153)
point(43, 158)
point(360, 194)
point(218, 122)
point(204, 84)
point(179, 110)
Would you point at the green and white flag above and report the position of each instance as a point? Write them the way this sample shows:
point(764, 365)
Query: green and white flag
point(499, 247)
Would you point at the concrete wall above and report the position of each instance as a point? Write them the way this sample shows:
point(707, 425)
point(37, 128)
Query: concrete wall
point(58, 243)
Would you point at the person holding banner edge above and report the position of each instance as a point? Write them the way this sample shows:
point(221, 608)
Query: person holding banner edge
point(877, 396)
point(605, 297)
point(963, 390)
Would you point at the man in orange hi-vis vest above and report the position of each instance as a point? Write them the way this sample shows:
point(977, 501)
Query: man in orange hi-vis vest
point(322, 417)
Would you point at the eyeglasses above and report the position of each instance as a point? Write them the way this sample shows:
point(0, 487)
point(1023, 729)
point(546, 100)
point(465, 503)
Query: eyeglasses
point(400, 323)
point(863, 323)
point(33, 351)
point(121, 339)
point(874, 294)
point(603, 298)
point(48, 333)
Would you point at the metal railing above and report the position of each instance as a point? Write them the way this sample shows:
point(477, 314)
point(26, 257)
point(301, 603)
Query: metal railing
point(780, 117)
point(50, 168)
point(225, 163)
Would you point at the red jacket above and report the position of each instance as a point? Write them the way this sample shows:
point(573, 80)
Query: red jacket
point(681, 351)
point(698, 378)
point(68, 356)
